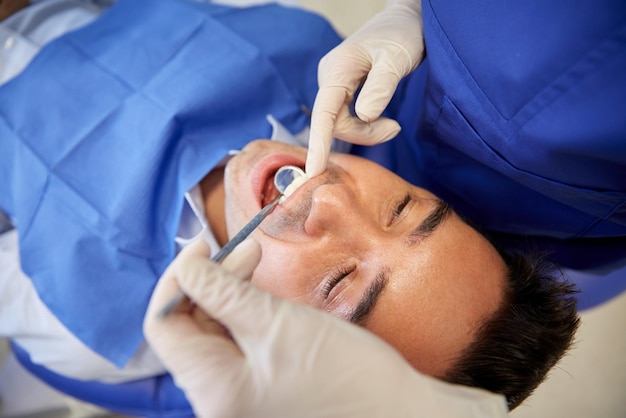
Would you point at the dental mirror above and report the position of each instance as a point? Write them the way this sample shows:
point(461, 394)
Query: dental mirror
point(289, 175)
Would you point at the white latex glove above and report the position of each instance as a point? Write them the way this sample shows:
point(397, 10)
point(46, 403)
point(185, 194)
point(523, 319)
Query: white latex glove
point(285, 359)
point(384, 50)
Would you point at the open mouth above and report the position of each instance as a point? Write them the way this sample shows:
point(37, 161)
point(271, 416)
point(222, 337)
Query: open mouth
point(263, 172)
point(269, 191)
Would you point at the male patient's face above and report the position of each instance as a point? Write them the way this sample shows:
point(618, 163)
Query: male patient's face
point(364, 245)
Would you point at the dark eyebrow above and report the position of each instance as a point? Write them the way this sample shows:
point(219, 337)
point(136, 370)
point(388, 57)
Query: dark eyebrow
point(430, 223)
point(361, 313)
point(363, 309)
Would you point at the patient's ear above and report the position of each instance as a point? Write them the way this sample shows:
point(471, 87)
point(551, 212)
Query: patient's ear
point(8, 7)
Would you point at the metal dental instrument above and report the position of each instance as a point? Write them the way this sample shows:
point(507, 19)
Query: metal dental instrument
point(224, 251)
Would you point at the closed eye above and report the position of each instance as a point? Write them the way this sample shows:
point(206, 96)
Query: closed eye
point(334, 280)
point(400, 206)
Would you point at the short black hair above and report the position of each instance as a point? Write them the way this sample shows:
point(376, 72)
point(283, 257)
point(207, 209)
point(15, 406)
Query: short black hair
point(533, 328)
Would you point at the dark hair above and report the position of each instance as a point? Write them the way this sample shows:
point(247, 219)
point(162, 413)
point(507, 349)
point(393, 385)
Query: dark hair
point(533, 328)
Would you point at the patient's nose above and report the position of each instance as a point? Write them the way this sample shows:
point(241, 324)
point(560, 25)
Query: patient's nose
point(333, 210)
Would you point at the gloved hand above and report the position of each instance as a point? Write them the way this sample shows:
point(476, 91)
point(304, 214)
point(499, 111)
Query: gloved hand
point(388, 47)
point(280, 359)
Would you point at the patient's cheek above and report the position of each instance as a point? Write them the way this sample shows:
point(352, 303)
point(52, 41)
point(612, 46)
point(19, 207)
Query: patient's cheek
point(267, 279)
point(283, 284)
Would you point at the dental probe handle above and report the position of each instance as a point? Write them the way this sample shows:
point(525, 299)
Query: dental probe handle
point(224, 251)
point(245, 231)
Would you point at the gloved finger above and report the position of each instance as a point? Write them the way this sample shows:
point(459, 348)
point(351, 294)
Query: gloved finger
point(197, 360)
point(197, 248)
point(203, 281)
point(223, 294)
point(167, 287)
point(376, 92)
point(169, 338)
point(355, 131)
point(188, 341)
point(244, 259)
point(344, 66)
point(166, 335)
point(328, 103)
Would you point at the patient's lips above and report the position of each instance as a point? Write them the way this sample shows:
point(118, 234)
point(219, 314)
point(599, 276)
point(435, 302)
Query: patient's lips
point(263, 176)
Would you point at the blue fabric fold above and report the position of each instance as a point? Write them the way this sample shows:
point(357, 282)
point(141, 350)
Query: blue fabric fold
point(110, 125)
point(520, 123)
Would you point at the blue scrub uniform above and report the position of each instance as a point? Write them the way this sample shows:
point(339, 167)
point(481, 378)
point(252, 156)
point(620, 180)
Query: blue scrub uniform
point(518, 119)
point(107, 129)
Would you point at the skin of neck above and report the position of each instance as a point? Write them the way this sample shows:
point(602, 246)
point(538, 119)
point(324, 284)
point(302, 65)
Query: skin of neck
point(212, 187)
point(8, 7)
